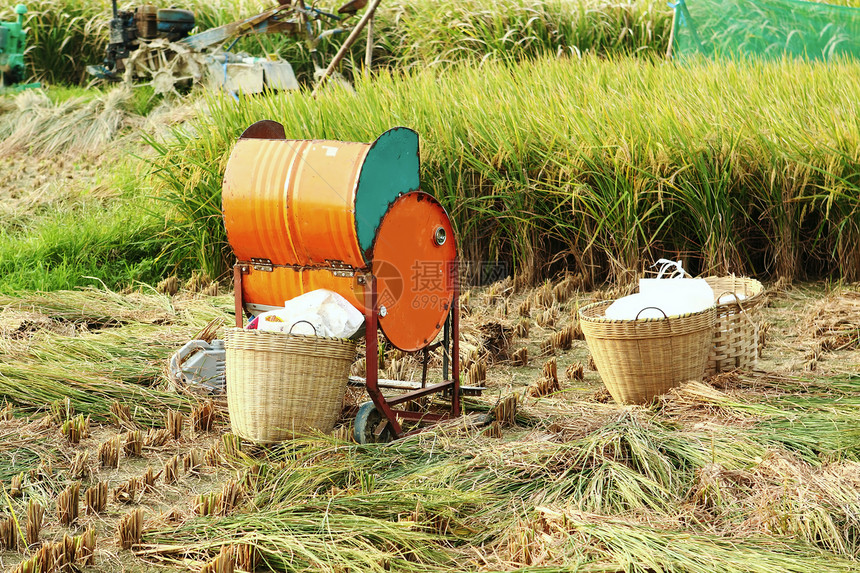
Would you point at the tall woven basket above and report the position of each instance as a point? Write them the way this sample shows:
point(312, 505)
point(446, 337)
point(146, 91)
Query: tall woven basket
point(735, 343)
point(281, 385)
point(641, 359)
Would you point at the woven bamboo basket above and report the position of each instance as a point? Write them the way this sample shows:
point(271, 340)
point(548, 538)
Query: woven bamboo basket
point(735, 342)
point(282, 385)
point(641, 359)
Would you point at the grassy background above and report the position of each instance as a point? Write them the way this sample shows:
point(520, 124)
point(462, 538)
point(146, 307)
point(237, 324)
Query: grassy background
point(550, 161)
point(600, 165)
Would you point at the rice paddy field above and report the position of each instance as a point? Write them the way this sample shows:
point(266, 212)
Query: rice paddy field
point(569, 154)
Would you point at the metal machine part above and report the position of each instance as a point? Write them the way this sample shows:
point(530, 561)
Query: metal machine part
point(414, 273)
point(13, 44)
point(155, 46)
point(348, 217)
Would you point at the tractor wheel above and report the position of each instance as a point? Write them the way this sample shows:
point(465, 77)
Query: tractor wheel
point(164, 65)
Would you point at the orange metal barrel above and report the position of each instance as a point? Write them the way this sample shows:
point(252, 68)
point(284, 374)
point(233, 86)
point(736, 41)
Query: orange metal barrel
point(292, 202)
point(414, 261)
point(272, 288)
point(414, 274)
point(313, 202)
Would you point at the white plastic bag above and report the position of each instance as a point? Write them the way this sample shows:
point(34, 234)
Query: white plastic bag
point(662, 297)
point(731, 297)
point(678, 291)
point(321, 312)
point(636, 306)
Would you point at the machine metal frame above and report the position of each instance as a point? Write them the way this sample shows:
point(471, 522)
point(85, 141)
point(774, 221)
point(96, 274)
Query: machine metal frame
point(380, 420)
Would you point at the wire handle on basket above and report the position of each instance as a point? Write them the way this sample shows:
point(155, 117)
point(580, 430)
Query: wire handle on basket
point(306, 322)
point(653, 307)
point(743, 312)
point(737, 300)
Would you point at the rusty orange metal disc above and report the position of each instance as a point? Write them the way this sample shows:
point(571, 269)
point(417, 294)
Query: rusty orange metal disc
point(414, 261)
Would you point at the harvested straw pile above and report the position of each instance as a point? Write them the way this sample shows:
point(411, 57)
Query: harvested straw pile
point(112, 356)
point(834, 322)
point(496, 340)
point(79, 126)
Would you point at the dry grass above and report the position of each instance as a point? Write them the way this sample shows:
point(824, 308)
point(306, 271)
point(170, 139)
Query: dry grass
point(741, 460)
point(78, 126)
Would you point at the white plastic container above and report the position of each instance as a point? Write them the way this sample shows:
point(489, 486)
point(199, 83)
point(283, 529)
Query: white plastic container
point(200, 365)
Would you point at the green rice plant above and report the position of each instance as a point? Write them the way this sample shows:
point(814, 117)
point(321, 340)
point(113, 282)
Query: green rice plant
point(113, 246)
point(598, 165)
point(419, 33)
point(195, 237)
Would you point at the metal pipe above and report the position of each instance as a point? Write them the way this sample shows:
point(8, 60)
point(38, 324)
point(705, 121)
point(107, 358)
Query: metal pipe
point(425, 359)
point(368, 49)
point(372, 357)
point(346, 45)
point(455, 342)
point(239, 305)
point(446, 346)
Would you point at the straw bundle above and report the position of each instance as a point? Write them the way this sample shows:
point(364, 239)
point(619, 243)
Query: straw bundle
point(130, 529)
point(520, 357)
point(109, 452)
point(203, 417)
point(35, 517)
point(9, 534)
point(68, 504)
point(132, 445)
point(96, 498)
point(575, 372)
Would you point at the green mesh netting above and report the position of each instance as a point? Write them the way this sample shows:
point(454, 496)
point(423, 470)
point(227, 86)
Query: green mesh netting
point(766, 28)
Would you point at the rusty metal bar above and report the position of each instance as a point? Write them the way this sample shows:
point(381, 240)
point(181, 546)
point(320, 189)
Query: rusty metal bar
point(387, 384)
point(426, 358)
point(237, 295)
point(346, 45)
point(421, 416)
point(455, 343)
point(262, 23)
point(432, 389)
point(372, 357)
point(446, 346)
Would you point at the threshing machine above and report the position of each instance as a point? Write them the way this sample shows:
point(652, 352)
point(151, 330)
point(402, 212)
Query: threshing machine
point(302, 215)
point(154, 46)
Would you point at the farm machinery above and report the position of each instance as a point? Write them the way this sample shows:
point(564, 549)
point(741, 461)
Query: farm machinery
point(155, 46)
point(13, 41)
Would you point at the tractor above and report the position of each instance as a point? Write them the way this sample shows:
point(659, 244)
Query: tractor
point(155, 46)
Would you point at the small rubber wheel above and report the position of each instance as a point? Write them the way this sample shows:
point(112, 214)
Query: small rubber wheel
point(366, 422)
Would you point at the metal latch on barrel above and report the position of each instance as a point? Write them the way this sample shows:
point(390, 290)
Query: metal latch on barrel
point(340, 268)
point(262, 265)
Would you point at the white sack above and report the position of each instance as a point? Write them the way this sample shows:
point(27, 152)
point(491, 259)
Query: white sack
point(329, 313)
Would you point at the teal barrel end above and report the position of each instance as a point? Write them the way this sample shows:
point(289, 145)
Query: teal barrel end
point(390, 169)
